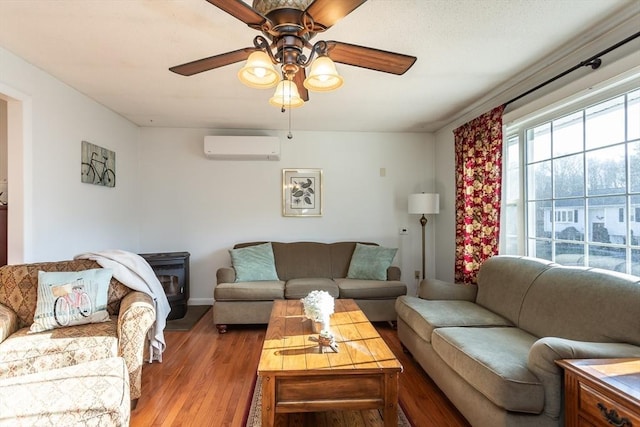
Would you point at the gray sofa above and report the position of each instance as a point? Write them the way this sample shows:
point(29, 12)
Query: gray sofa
point(491, 348)
point(301, 268)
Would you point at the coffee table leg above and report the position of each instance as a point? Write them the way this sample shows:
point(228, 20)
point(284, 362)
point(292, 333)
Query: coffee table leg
point(268, 401)
point(390, 400)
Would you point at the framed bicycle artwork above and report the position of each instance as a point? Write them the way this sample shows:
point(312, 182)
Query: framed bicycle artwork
point(301, 192)
point(98, 165)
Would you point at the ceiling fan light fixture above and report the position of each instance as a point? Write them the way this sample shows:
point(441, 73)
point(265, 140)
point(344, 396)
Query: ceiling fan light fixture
point(323, 76)
point(258, 72)
point(286, 95)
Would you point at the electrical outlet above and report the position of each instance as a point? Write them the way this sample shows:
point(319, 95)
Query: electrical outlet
point(417, 274)
point(403, 231)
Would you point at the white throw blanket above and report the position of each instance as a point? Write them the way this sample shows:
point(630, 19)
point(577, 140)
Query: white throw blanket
point(136, 273)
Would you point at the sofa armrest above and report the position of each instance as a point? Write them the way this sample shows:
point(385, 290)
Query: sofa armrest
point(225, 275)
point(435, 289)
point(8, 322)
point(546, 351)
point(137, 315)
point(393, 273)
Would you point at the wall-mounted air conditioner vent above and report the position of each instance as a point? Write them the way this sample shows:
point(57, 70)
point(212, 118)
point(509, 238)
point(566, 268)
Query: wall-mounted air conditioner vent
point(242, 147)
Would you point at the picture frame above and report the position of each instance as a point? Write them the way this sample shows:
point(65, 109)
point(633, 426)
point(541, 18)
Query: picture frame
point(302, 192)
point(98, 165)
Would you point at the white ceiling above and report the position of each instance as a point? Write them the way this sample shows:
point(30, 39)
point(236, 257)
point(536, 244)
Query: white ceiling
point(118, 52)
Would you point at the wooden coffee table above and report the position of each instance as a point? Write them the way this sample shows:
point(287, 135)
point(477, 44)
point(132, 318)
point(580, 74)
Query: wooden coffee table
point(297, 377)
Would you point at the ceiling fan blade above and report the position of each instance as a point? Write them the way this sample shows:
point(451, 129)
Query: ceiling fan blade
point(366, 57)
point(298, 79)
point(242, 11)
point(326, 13)
point(217, 61)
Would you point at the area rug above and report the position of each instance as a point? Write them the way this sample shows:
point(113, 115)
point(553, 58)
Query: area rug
point(371, 417)
point(194, 313)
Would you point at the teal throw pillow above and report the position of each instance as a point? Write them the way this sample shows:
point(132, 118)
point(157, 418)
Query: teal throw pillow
point(254, 263)
point(67, 298)
point(370, 262)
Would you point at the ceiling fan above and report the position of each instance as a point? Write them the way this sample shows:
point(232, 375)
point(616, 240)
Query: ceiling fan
point(287, 26)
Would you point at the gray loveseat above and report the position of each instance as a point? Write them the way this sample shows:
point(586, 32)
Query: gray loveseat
point(303, 267)
point(491, 348)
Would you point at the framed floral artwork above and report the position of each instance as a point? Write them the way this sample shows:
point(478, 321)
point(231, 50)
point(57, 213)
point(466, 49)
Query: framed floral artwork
point(302, 192)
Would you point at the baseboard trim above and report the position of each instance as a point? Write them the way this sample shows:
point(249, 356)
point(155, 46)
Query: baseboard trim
point(200, 301)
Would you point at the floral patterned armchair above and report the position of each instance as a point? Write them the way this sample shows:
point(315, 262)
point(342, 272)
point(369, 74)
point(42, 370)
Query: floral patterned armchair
point(131, 315)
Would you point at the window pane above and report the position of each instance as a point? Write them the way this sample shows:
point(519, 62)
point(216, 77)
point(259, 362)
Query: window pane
point(511, 246)
point(568, 173)
point(539, 223)
point(567, 134)
point(606, 172)
point(512, 185)
point(633, 115)
point(569, 253)
point(603, 220)
point(539, 143)
point(634, 219)
point(540, 249)
point(573, 227)
point(635, 262)
point(539, 180)
point(605, 123)
point(608, 258)
point(634, 166)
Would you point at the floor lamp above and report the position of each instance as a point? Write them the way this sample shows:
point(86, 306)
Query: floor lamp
point(424, 204)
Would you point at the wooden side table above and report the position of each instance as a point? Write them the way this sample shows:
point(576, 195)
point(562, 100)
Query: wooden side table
point(602, 392)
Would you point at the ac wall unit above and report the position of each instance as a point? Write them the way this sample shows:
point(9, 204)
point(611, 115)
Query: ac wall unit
point(242, 147)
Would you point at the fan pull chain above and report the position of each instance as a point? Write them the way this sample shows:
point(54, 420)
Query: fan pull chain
point(289, 135)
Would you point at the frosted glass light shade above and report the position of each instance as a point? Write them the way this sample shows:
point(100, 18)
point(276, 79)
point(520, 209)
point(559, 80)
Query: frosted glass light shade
point(258, 71)
point(424, 203)
point(286, 95)
point(323, 76)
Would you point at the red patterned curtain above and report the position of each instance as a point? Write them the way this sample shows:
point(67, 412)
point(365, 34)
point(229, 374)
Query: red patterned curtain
point(478, 146)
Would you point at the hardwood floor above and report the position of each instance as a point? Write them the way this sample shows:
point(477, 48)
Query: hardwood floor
point(207, 379)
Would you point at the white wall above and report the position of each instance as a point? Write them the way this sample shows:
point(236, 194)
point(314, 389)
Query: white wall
point(64, 216)
point(205, 206)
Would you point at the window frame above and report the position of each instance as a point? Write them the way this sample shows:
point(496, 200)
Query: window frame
point(516, 131)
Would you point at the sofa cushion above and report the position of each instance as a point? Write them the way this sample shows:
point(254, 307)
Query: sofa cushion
point(249, 291)
point(370, 289)
point(302, 259)
point(71, 298)
point(26, 353)
point(504, 280)
point(424, 316)
point(370, 262)
point(586, 304)
point(494, 362)
point(300, 288)
point(254, 263)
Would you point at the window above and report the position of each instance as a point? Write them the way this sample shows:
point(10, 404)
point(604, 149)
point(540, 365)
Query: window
point(581, 176)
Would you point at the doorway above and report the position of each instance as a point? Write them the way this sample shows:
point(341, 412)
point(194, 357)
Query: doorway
point(16, 122)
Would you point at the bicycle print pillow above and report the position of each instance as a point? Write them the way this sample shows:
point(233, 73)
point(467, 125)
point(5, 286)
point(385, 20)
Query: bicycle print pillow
point(71, 298)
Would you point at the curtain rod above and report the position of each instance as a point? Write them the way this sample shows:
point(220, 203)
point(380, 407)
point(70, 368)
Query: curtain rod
point(594, 62)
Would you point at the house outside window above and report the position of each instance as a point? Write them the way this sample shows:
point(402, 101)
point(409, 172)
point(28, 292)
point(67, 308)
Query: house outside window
point(572, 184)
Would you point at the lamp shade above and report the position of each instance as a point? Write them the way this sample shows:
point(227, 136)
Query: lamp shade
point(323, 76)
point(258, 71)
point(424, 203)
point(286, 95)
